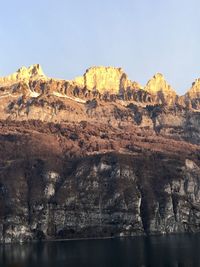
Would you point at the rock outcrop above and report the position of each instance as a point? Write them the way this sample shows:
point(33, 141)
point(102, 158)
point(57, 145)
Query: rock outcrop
point(194, 91)
point(97, 156)
point(23, 74)
point(163, 92)
point(106, 79)
point(86, 180)
point(192, 97)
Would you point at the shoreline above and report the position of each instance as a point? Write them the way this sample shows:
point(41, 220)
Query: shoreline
point(99, 238)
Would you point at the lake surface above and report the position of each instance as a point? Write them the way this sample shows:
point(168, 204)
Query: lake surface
point(174, 250)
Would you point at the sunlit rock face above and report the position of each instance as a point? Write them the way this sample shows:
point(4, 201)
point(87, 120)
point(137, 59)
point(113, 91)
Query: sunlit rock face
point(23, 74)
point(162, 91)
point(194, 91)
point(110, 79)
point(192, 97)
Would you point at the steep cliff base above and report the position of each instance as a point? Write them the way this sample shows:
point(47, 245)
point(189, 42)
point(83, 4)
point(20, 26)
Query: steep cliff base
point(86, 180)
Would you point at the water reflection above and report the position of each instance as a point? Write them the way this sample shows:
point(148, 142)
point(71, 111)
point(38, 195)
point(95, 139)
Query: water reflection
point(174, 250)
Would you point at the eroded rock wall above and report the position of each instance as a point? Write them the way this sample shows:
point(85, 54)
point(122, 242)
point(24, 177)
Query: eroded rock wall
point(75, 181)
point(105, 195)
point(98, 156)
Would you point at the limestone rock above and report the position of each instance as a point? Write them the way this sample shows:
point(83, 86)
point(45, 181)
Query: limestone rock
point(80, 163)
point(192, 97)
point(194, 91)
point(113, 80)
point(159, 87)
point(23, 74)
point(45, 193)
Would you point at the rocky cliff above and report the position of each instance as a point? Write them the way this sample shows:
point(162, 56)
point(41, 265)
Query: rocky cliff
point(97, 156)
point(163, 92)
point(23, 74)
point(192, 97)
point(107, 79)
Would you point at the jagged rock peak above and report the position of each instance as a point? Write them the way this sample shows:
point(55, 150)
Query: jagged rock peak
point(159, 84)
point(194, 91)
point(159, 87)
point(32, 71)
point(103, 79)
point(24, 73)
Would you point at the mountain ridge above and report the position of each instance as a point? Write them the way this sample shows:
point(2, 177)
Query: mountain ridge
point(97, 156)
point(153, 85)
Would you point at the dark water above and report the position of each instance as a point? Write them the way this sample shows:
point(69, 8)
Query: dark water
point(175, 250)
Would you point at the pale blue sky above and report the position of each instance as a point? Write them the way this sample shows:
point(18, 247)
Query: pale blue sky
point(68, 36)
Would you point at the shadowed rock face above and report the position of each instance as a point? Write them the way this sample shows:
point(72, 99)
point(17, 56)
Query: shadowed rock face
point(65, 181)
point(79, 162)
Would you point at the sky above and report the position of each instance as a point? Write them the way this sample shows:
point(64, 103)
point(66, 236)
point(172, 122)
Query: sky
point(68, 36)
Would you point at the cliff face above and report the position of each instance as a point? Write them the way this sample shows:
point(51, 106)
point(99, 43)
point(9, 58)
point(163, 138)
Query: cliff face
point(194, 91)
point(106, 79)
point(83, 159)
point(67, 181)
point(192, 97)
point(162, 91)
point(23, 74)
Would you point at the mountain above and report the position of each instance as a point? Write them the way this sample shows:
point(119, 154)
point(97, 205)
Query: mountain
point(163, 92)
point(97, 156)
point(113, 80)
point(193, 95)
point(24, 74)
